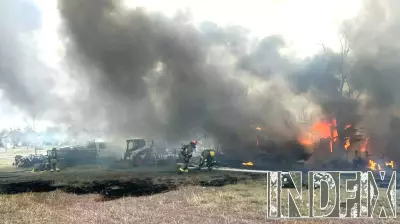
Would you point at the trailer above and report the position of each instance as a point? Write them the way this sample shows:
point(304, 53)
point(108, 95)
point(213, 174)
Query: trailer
point(70, 156)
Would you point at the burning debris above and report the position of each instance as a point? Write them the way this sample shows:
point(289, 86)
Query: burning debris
point(390, 164)
point(248, 164)
point(374, 166)
point(364, 145)
point(347, 144)
point(323, 129)
point(326, 130)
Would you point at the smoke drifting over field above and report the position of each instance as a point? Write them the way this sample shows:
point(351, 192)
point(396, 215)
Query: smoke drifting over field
point(21, 73)
point(161, 76)
point(142, 73)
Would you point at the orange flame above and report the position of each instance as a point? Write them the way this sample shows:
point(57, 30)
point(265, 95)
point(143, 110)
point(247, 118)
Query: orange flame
point(347, 144)
point(390, 164)
point(373, 165)
point(306, 140)
point(248, 164)
point(347, 126)
point(364, 145)
point(322, 129)
point(258, 128)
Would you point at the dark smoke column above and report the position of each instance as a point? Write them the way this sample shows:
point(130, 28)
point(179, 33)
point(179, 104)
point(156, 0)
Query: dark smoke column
point(129, 49)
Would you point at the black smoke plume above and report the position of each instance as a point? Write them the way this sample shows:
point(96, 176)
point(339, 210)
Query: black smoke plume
point(156, 76)
point(141, 73)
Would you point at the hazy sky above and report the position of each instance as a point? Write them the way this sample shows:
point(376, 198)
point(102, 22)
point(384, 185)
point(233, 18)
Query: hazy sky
point(304, 24)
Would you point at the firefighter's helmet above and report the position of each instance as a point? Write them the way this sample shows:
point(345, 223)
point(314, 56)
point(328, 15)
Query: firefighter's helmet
point(212, 153)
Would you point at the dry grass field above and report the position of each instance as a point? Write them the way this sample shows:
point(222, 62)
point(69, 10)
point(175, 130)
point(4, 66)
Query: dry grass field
point(239, 203)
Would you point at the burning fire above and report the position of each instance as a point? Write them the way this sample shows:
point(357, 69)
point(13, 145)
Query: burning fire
point(248, 164)
point(322, 129)
point(390, 164)
point(347, 127)
point(364, 145)
point(347, 144)
point(373, 165)
point(307, 140)
point(258, 128)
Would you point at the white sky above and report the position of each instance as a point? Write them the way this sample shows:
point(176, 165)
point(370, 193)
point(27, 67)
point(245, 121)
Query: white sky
point(303, 23)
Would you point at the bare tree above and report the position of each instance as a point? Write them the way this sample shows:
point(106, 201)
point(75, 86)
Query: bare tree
point(345, 87)
point(345, 49)
point(343, 73)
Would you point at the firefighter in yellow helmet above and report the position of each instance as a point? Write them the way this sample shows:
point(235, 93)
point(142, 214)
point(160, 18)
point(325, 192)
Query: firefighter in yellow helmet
point(207, 156)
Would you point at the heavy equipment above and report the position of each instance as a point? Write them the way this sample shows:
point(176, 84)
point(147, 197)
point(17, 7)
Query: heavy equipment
point(143, 152)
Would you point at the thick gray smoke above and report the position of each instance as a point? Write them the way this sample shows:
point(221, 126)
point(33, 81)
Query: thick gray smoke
point(24, 80)
point(373, 38)
point(375, 70)
point(158, 76)
point(141, 73)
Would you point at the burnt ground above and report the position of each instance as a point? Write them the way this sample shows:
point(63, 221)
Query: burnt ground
point(114, 183)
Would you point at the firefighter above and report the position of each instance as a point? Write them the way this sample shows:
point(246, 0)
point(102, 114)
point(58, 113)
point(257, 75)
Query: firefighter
point(207, 156)
point(53, 160)
point(186, 153)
